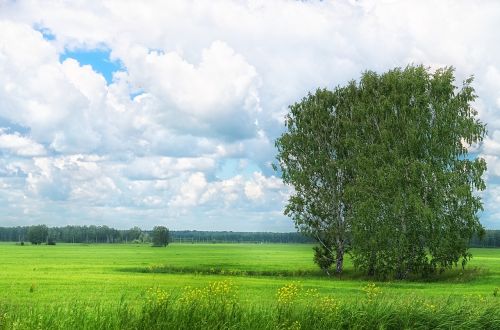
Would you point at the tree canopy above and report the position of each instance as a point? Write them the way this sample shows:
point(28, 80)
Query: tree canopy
point(380, 168)
point(160, 236)
point(315, 158)
point(38, 234)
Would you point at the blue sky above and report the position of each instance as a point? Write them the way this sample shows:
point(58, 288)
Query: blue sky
point(98, 59)
point(144, 114)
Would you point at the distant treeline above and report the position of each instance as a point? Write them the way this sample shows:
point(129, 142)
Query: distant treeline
point(491, 238)
point(194, 236)
point(105, 234)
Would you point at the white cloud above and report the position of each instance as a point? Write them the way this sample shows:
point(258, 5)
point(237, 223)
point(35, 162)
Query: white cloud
point(253, 191)
point(20, 145)
point(491, 144)
point(166, 167)
point(37, 93)
point(190, 191)
point(202, 82)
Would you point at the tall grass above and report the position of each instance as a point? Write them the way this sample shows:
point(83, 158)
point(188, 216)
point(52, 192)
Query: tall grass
point(217, 306)
point(197, 270)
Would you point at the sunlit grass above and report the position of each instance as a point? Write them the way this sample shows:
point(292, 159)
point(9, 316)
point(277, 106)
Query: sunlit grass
point(110, 280)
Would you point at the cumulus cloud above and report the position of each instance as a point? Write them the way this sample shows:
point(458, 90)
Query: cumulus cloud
point(148, 168)
point(201, 84)
point(37, 93)
point(218, 96)
point(20, 145)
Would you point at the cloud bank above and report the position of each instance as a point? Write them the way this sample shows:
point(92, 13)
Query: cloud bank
point(172, 120)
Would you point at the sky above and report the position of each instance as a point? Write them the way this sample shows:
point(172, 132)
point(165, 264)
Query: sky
point(143, 113)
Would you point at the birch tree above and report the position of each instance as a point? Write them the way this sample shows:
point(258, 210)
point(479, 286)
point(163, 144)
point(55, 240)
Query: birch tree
point(381, 169)
point(414, 198)
point(313, 157)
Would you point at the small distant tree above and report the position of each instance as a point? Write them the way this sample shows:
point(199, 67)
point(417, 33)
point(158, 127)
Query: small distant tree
point(38, 234)
point(134, 232)
point(160, 236)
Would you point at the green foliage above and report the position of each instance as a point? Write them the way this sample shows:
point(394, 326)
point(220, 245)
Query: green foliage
point(134, 232)
point(323, 258)
point(314, 157)
point(38, 234)
point(381, 169)
point(413, 199)
point(160, 236)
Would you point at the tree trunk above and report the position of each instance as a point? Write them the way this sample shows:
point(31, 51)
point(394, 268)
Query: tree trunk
point(340, 257)
point(371, 266)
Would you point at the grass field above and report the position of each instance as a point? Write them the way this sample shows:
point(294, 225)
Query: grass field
point(42, 277)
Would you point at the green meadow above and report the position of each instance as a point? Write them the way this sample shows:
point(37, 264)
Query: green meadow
point(122, 281)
